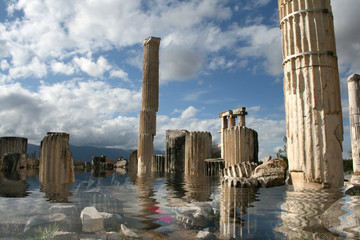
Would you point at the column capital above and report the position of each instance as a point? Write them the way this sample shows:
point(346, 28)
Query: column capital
point(151, 40)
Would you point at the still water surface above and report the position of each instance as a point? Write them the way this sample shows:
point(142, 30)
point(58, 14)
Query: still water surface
point(273, 213)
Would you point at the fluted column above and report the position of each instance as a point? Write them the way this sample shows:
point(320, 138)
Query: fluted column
point(197, 149)
point(312, 94)
point(56, 162)
point(354, 112)
point(149, 104)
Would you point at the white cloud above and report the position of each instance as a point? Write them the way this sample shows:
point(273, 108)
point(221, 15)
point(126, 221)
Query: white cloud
point(346, 19)
point(91, 111)
point(119, 74)
point(94, 69)
point(59, 67)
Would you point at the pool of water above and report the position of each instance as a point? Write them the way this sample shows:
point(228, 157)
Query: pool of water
point(165, 206)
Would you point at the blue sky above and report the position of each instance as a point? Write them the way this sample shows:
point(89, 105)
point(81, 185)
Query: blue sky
point(76, 66)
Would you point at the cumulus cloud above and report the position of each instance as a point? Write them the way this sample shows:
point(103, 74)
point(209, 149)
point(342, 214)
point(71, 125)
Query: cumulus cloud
point(346, 19)
point(93, 112)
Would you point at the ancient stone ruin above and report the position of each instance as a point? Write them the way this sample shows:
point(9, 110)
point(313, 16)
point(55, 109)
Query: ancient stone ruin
point(354, 112)
point(175, 150)
point(149, 104)
point(197, 149)
point(56, 170)
point(13, 145)
point(238, 143)
point(312, 94)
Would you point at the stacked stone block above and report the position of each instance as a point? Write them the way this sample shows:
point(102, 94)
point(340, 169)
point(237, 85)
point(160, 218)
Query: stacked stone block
point(149, 105)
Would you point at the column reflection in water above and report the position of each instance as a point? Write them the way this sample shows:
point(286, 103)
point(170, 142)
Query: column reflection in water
point(233, 218)
point(197, 188)
point(301, 211)
point(13, 184)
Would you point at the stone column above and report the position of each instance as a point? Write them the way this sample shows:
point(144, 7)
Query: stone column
point(175, 150)
point(149, 104)
point(354, 112)
point(312, 94)
point(242, 113)
point(232, 119)
point(197, 148)
point(56, 162)
point(14, 145)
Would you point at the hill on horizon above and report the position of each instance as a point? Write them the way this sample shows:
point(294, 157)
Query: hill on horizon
point(85, 153)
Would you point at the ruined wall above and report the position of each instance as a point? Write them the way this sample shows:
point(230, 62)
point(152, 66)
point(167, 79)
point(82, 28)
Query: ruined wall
point(14, 145)
point(149, 104)
point(240, 145)
point(175, 150)
point(312, 94)
point(354, 114)
point(158, 163)
point(56, 162)
point(197, 148)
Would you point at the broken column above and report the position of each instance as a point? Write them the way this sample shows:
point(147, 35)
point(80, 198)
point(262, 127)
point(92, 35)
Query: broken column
point(149, 104)
point(197, 148)
point(56, 162)
point(312, 94)
point(14, 145)
point(354, 112)
point(238, 143)
point(175, 150)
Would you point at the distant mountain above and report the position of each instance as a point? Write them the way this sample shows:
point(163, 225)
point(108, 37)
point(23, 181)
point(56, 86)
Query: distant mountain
point(85, 153)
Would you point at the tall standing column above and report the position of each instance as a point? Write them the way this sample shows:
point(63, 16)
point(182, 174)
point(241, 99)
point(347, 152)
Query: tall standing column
point(354, 112)
point(312, 94)
point(149, 104)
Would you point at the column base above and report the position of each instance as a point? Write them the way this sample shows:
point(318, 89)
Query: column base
point(300, 182)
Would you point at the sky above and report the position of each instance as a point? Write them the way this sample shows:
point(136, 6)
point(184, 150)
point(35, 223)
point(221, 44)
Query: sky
point(76, 67)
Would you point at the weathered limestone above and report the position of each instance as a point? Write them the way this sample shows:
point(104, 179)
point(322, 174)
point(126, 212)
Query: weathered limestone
point(149, 104)
point(312, 94)
point(214, 166)
point(10, 162)
point(14, 145)
point(175, 150)
point(56, 162)
point(158, 163)
point(238, 143)
point(354, 112)
point(92, 220)
point(197, 148)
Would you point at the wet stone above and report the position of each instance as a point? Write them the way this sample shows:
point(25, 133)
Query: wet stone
point(91, 219)
point(127, 232)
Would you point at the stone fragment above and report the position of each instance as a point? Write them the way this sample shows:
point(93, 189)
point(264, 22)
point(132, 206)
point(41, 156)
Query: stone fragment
point(120, 164)
point(127, 232)
point(271, 174)
point(267, 158)
point(206, 235)
point(60, 235)
point(92, 220)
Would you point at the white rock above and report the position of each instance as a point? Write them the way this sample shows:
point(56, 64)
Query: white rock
point(128, 232)
point(91, 220)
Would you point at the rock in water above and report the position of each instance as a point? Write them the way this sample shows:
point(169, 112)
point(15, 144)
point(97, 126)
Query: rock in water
point(92, 220)
point(271, 173)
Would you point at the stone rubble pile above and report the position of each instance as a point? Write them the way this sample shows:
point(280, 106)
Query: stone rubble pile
point(247, 174)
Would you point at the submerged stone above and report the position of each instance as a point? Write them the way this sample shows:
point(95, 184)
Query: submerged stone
point(91, 220)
